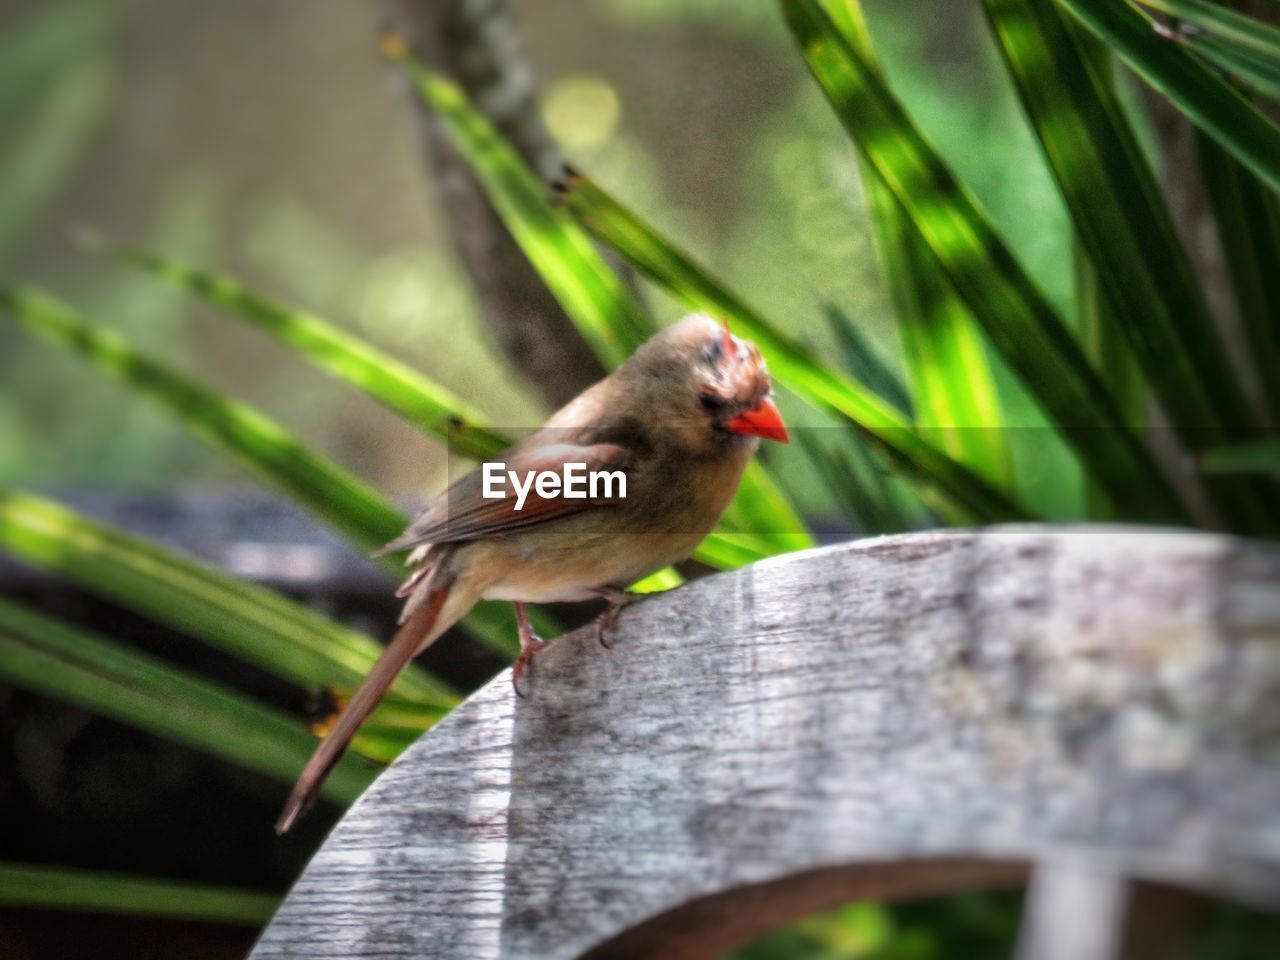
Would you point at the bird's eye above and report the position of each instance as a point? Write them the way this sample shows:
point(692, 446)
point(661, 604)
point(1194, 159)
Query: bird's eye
point(713, 351)
point(712, 403)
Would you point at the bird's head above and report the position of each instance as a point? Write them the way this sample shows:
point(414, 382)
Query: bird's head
point(712, 385)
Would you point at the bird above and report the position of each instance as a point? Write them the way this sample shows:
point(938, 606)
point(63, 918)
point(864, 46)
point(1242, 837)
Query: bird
point(678, 422)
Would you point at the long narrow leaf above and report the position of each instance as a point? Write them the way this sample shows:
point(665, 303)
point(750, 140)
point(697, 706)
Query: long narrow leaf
point(794, 365)
point(862, 491)
point(42, 887)
point(250, 622)
point(728, 549)
point(667, 578)
point(1258, 74)
point(763, 510)
point(1017, 318)
point(1221, 21)
point(1121, 220)
point(335, 496)
point(1261, 456)
point(377, 373)
point(1210, 104)
point(1248, 223)
point(1113, 358)
point(954, 391)
point(1102, 335)
point(108, 679)
point(864, 365)
point(323, 487)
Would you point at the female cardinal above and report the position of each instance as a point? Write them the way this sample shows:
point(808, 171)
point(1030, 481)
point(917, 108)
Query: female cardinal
point(680, 419)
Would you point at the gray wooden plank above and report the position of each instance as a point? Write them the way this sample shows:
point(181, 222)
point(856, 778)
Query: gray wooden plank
point(882, 718)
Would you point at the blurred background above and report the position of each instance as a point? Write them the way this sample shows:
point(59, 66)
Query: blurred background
point(267, 139)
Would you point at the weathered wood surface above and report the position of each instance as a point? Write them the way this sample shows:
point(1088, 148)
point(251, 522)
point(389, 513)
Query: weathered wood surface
point(884, 718)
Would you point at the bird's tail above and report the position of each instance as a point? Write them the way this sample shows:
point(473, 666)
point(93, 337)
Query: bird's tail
point(428, 621)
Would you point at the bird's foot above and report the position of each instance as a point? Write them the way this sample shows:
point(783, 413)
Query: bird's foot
point(617, 599)
point(530, 647)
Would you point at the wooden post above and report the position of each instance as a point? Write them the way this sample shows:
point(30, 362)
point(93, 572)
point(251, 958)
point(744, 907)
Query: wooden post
point(886, 718)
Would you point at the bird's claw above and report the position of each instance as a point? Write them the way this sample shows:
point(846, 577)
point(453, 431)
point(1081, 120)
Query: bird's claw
point(530, 646)
point(604, 623)
point(517, 675)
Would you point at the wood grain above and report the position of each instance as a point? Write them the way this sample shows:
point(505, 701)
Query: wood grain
point(888, 717)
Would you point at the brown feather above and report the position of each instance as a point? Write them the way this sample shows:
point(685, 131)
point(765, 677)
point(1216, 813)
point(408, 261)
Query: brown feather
point(409, 639)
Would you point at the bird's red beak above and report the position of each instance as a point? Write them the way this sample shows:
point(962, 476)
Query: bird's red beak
point(763, 421)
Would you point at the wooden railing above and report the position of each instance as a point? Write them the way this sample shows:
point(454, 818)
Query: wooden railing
point(884, 719)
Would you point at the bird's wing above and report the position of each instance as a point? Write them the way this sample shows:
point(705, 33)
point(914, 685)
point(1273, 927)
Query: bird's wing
point(463, 513)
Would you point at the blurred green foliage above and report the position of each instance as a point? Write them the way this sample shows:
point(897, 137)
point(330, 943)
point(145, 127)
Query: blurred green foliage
point(973, 926)
point(794, 236)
